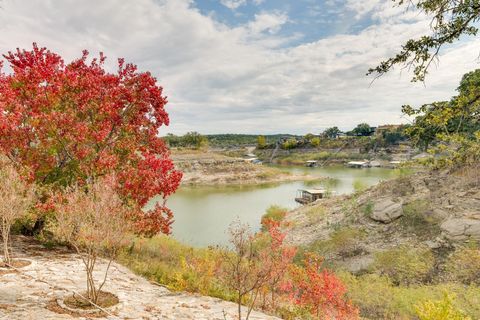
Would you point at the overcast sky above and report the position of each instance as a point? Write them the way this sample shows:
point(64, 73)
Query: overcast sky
point(249, 66)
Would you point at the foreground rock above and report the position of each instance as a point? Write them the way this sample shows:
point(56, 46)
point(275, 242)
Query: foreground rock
point(32, 293)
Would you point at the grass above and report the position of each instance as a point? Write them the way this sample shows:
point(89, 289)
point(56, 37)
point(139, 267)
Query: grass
point(344, 242)
point(177, 266)
point(367, 209)
point(418, 219)
point(405, 265)
point(464, 265)
point(378, 298)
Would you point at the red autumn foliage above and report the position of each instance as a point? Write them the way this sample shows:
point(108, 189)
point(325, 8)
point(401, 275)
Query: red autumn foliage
point(72, 122)
point(277, 259)
point(321, 292)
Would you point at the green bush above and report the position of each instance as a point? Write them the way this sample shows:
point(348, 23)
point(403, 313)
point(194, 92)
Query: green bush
point(404, 265)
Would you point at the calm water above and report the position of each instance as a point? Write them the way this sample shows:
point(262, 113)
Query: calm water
point(203, 214)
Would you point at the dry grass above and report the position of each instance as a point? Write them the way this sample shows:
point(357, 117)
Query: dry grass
point(17, 263)
point(105, 300)
point(53, 306)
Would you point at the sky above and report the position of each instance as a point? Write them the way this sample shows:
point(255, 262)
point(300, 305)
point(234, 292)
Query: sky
point(250, 66)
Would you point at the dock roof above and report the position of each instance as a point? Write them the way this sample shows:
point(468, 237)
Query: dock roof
point(314, 191)
point(358, 162)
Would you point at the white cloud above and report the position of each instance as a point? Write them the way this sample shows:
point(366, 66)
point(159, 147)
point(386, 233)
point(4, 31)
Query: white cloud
point(268, 22)
point(233, 4)
point(362, 7)
point(222, 79)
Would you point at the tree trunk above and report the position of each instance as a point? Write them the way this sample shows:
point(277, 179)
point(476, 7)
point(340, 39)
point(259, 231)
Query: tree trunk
point(239, 306)
point(5, 237)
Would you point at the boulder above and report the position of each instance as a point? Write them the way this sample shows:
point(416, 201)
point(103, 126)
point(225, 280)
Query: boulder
point(461, 228)
point(386, 211)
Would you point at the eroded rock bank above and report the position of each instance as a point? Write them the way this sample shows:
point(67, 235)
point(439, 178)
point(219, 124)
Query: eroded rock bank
point(32, 293)
point(437, 210)
point(210, 168)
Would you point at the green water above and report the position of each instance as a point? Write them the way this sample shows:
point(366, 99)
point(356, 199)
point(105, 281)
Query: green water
point(203, 214)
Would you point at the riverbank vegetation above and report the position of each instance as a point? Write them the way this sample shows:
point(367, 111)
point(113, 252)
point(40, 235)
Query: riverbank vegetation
point(256, 270)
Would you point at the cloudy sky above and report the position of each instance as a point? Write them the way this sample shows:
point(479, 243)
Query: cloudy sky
point(249, 66)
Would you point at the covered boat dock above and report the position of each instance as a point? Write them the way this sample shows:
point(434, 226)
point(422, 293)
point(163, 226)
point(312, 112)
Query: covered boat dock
point(305, 196)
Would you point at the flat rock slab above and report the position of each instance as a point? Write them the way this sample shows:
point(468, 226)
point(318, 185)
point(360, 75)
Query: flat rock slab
point(385, 210)
point(55, 274)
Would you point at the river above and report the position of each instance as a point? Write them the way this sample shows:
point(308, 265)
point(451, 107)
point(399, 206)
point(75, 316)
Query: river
point(203, 214)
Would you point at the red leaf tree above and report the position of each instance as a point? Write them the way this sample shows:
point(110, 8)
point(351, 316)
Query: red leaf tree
point(71, 123)
point(321, 292)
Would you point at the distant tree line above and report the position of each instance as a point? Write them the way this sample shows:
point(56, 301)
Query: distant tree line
point(363, 135)
point(195, 140)
point(192, 140)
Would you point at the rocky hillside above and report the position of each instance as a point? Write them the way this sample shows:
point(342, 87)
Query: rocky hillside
point(36, 291)
point(436, 210)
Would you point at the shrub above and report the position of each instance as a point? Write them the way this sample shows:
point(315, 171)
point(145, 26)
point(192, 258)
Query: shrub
point(273, 213)
point(440, 310)
point(378, 298)
point(179, 267)
point(16, 197)
point(464, 266)
point(289, 144)
point(321, 292)
point(315, 141)
point(94, 221)
point(404, 265)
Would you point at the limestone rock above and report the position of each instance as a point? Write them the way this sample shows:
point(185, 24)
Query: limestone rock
point(386, 210)
point(27, 297)
point(461, 228)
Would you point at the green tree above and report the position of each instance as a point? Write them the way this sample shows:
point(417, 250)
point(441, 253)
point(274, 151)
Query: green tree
point(289, 144)
point(331, 133)
point(194, 140)
point(309, 136)
point(363, 129)
point(451, 19)
point(315, 141)
point(261, 142)
point(455, 123)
